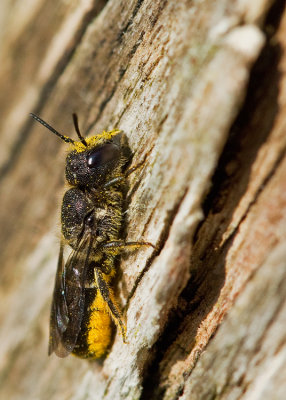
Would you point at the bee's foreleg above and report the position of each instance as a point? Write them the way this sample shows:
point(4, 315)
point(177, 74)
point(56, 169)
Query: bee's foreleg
point(122, 178)
point(118, 179)
point(108, 296)
point(138, 165)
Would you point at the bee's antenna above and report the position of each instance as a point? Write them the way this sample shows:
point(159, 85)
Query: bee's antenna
point(75, 122)
point(64, 138)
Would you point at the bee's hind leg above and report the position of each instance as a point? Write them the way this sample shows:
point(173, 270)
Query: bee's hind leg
point(109, 298)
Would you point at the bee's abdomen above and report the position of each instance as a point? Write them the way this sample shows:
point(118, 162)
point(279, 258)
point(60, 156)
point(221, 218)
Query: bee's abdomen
point(96, 329)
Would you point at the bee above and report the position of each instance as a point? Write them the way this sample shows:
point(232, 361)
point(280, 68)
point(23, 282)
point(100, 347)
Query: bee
point(84, 306)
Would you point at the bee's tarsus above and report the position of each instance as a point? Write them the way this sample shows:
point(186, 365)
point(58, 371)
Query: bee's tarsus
point(113, 181)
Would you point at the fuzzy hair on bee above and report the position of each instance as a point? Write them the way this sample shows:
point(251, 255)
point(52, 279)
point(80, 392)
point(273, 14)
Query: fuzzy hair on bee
point(84, 306)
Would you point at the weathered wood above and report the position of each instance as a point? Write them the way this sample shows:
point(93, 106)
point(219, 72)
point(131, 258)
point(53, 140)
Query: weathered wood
point(211, 195)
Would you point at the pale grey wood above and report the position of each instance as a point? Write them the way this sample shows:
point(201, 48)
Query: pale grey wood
point(173, 76)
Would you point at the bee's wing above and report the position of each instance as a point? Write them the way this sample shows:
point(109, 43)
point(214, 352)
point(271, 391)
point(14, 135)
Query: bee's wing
point(59, 311)
point(68, 299)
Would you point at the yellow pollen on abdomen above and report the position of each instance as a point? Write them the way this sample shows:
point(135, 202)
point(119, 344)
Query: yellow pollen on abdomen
point(99, 328)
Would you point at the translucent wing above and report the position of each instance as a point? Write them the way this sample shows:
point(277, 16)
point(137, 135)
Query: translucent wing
point(68, 299)
point(59, 312)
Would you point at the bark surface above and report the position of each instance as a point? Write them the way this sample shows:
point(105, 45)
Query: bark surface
point(200, 88)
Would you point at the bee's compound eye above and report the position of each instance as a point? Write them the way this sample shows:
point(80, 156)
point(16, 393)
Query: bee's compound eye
point(103, 155)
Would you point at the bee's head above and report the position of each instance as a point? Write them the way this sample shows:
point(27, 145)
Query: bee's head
point(91, 160)
point(90, 165)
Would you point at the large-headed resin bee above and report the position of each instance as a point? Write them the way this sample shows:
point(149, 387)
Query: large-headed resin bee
point(84, 304)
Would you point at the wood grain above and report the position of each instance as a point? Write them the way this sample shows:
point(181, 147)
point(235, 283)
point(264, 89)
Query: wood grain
point(198, 87)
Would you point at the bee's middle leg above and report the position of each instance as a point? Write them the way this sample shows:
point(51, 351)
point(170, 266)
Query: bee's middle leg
point(115, 247)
